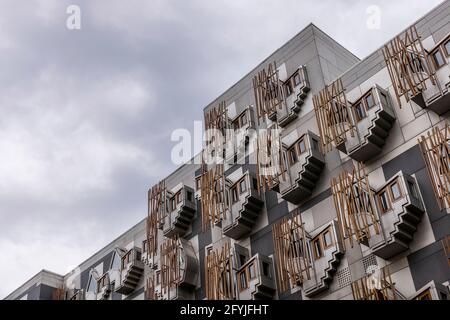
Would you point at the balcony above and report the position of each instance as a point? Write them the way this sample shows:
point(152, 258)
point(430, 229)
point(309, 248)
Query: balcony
point(242, 124)
point(103, 287)
point(327, 249)
point(131, 271)
point(431, 291)
point(296, 89)
point(373, 117)
point(178, 274)
point(400, 210)
point(181, 207)
point(377, 285)
point(436, 95)
point(246, 204)
point(305, 164)
point(255, 279)
point(77, 294)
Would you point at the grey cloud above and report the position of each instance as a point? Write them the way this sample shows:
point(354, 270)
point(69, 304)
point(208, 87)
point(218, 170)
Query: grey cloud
point(86, 115)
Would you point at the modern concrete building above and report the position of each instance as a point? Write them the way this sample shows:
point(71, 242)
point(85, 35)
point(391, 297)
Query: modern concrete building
point(355, 204)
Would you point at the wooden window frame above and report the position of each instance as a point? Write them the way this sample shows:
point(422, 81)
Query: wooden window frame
point(396, 182)
point(301, 141)
point(359, 105)
point(367, 95)
point(178, 197)
point(297, 74)
point(250, 267)
point(243, 275)
point(425, 293)
point(242, 181)
point(235, 193)
point(292, 151)
point(362, 101)
point(443, 56)
point(327, 230)
point(317, 239)
point(198, 182)
point(388, 200)
point(447, 40)
point(243, 119)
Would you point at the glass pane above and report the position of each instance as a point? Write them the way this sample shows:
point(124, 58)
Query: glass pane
point(116, 262)
point(317, 248)
point(369, 101)
point(297, 79)
point(251, 269)
point(384, 201)
point(327, 239)
point(395, 191)
point(92, 286)
point(292, 156)
point(244, 119)
point(301, 146)
point(243, 186)
point(438, 59)
point(360, 114)
point(447, 47)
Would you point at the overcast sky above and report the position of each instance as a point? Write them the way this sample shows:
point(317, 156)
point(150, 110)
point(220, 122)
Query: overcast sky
point(86, 115)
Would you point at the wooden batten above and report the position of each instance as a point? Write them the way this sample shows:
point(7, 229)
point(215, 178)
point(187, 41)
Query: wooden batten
point(292, 260)
point(408, 65)
point(436, 153)
point(156, 215)
point(219, 275)
point(378, 286)
point(333, 115)
point(268, 90)
point(355, 205)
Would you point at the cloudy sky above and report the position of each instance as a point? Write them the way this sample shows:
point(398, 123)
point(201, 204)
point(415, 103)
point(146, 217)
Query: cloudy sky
point(86, 115)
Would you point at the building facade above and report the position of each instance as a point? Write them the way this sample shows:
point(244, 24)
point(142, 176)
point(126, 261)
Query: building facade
point(335, 184)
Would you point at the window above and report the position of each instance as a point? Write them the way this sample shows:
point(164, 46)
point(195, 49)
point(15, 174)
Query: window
point(189, 196)
point(301, 146)
point(234, 192)
point(251, 271)
point(158, 277)
point(447, 47)
point(179, 197)
point(369, 101)
point(317, 248)
point(266, 270)
point(288, 89)
point(173, 205)
point(395, 189)
point(426, 295)
point(359, 111)
point(292, 156)
point(243, 186)
point(437, 58)
point(198, 183)
point(297, 79)
point(243, 280)
point(92, 286)
point(115, 264)
point(327, 239)
point(384, 201)
point(244, 119)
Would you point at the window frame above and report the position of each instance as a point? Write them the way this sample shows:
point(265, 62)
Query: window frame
point(396, 182)
point(388, 201)
point(327, 230)
point(242, 182)
point(435, 51)
point(317, 239)
point(198, 183)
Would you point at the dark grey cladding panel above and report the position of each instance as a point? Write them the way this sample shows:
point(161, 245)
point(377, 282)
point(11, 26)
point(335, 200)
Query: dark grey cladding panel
point(132, 295)
point(271, 199)
point(429, 198)
point(46, 292)
point(277, 211)
point(312, 202)
point(291, 296)
point(409, 162)
point(85, 273)
point(262, 242)
point(32, 293)
point(429, 263)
